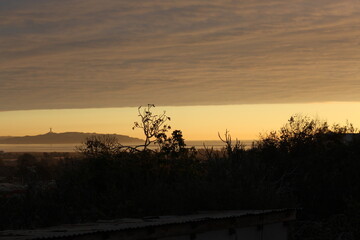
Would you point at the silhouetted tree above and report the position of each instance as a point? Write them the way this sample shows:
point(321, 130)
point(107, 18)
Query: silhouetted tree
point(174, 146)
point(230, 147)
point(153, 125)
point(102, 145)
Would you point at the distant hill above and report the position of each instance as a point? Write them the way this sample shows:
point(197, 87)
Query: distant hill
point(64, 138)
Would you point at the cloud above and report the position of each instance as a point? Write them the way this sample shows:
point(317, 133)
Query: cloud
point(87, 53)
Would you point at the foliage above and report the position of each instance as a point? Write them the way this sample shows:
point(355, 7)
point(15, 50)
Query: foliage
point(306, 164)
point(102, 145)
point(231, 148)
point(174, 146)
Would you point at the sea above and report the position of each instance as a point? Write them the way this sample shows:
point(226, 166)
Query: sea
point(198, 144)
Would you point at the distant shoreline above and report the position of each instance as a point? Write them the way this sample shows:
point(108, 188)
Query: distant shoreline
point(71, 147)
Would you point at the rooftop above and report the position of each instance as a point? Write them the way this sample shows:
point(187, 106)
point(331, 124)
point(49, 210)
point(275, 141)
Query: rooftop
point(155, 227)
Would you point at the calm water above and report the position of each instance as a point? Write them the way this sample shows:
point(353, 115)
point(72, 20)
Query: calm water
point(72, 147)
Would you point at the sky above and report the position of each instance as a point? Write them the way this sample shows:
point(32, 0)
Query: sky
point(210, 63)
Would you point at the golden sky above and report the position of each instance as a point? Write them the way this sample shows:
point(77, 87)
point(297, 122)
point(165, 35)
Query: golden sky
point(244, 122)
point(108, 57)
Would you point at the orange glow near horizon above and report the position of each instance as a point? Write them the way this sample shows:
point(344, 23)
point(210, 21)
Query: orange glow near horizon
point(196, 122)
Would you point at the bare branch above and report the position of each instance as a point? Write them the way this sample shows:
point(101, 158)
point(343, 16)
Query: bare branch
point(151, 124)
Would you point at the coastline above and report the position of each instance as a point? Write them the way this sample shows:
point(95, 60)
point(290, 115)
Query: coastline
point(71, 147)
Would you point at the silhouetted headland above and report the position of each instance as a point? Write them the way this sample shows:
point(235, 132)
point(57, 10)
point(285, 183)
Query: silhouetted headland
point(64, 138)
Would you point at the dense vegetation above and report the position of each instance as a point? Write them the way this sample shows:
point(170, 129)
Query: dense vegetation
point(306, 164)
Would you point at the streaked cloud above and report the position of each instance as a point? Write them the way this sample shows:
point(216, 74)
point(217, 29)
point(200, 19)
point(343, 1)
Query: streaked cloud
point(111, 53)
